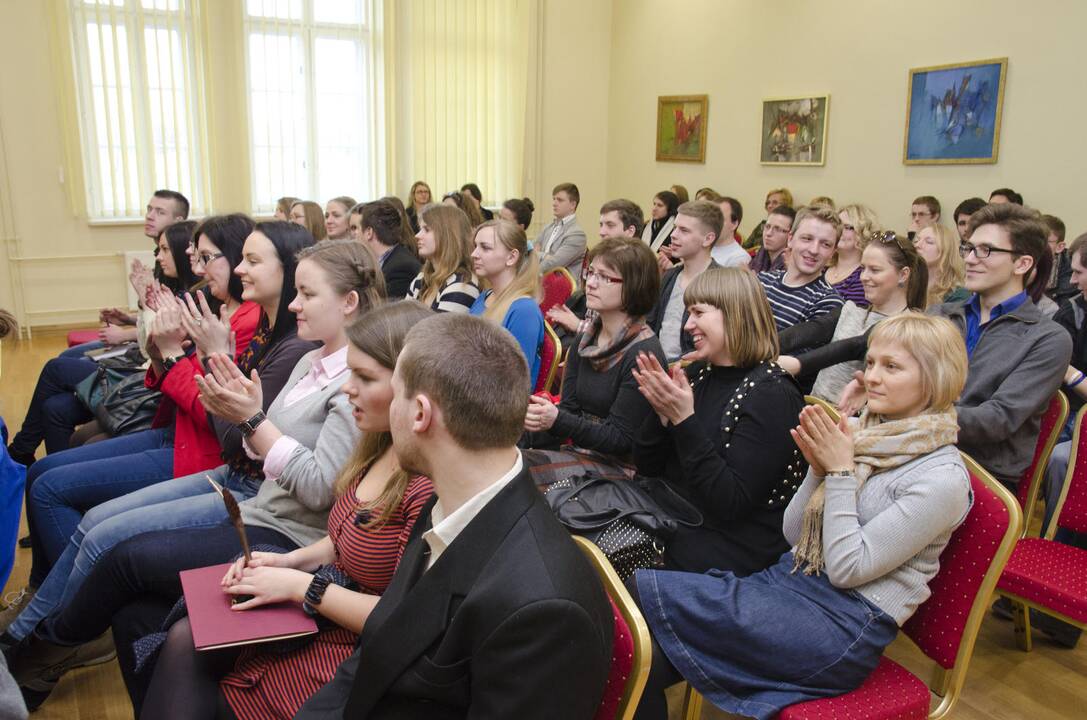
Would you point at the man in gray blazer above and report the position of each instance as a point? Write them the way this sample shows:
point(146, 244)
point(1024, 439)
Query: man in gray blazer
point(562, 243)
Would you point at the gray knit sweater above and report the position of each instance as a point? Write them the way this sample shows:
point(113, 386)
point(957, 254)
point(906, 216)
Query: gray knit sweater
point(885, 541)
point(297, 502)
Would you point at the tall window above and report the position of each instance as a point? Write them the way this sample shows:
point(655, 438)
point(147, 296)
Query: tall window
point(140, 103)
point(310, 99)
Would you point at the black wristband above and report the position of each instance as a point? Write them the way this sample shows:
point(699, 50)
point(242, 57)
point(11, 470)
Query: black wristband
point(314, 594)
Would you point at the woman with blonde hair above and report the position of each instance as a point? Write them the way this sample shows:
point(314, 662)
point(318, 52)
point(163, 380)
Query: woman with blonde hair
point(309, 215)
point(939, 246)
point(844, 271)
point(881, 498)
point(719, 433)
point(446, 282)
point(338, 216)
point(418, 198)
point(509, 269)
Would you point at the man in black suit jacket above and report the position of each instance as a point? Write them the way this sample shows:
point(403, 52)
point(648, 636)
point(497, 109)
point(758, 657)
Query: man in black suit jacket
point(378, 227)
point(493, 611)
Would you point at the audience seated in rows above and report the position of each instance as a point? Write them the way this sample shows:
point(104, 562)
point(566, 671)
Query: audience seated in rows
point(446, 282)
point(507, 267)
point(601, 409)
point(879, 503)
point(562, 242)
point(775, 238)
point(285, 438)
point(697, 226)
point(719, 430)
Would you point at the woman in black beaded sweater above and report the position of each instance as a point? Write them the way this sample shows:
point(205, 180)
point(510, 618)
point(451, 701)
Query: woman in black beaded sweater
point(719, 434)
point(600, 409)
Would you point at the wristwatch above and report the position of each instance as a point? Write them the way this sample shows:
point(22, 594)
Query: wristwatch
point(314, 594)
point(250, 426)
point(168, 363)
point(839, 473)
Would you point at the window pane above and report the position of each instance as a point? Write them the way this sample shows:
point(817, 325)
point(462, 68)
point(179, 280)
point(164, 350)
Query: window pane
point(337, 11)
point(281, 9)
point(114, 123)
point(277, 117)
point(161, 4)
point(341, 118)
point(166, 106)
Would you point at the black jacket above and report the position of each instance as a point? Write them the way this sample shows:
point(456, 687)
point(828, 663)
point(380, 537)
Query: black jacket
point(399, 269)
point(511, 621)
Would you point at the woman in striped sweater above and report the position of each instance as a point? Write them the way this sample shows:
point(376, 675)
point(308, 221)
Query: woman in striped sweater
point(367, 530)
point(446, 282)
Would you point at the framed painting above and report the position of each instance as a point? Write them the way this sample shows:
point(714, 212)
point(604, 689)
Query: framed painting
point(953, 113)
point(681, 128)
point(794, 130)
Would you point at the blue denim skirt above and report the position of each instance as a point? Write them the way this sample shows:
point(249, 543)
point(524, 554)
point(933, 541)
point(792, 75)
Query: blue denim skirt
point(755, 645)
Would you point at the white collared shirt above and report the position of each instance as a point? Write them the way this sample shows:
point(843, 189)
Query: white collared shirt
point(560, 226)
point(444, 530)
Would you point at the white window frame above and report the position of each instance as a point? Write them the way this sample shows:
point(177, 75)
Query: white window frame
point(135, 17)
point(310, 31)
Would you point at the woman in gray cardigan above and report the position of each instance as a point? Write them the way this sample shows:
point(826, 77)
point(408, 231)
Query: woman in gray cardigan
point(878, 506)
point(298, 447)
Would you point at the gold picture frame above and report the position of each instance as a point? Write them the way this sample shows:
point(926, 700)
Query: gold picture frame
point(794, 130)
point(954, 113)
point(681, 128)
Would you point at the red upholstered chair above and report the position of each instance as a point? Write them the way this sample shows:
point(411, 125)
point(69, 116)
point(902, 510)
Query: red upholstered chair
point(78, 337)
point(631, 651)
point(1030, 483)
point(1044, 574)
point(550, 353)
point(558, 286)
point(944, 627)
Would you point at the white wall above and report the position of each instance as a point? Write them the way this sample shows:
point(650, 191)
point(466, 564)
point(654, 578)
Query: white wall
point(859, 51)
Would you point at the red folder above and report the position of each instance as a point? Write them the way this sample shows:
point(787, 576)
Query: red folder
point(216, 625)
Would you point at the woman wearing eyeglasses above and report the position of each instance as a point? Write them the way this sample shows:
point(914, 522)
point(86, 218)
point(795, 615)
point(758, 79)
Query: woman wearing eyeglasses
point(601, 408)
point(895, 279)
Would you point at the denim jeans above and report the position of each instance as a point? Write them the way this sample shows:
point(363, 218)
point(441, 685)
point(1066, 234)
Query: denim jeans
point(64, 486)
point(181, 503)
point(54, 410)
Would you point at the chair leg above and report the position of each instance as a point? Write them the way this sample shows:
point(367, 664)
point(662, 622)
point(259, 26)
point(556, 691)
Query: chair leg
point(692, 704)
point(1021, 618)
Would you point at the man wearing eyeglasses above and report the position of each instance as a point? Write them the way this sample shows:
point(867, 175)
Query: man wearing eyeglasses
point(775, 238)
point(924, 210)
point(1018, 357)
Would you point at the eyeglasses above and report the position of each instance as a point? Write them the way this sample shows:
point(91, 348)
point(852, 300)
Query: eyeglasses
point(923, 213)
point(768, 228)
point(206, 259)
point(600, 277)
point(983, 251)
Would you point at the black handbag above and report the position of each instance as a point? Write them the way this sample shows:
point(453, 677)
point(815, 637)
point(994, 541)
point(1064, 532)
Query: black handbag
point(128, 406)
point(94, 388)
point(629, 520)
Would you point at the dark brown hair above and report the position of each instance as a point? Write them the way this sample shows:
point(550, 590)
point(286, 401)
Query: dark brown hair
point(637, 265)
point(1029, 236)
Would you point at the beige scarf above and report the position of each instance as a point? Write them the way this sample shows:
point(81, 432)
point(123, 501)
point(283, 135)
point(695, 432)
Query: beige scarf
point(878, 446)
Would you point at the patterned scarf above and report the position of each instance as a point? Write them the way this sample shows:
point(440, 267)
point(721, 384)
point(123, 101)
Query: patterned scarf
point(603, 359)
point(878, 446)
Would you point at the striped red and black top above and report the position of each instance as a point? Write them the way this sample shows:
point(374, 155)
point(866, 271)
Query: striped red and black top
point(274, 685)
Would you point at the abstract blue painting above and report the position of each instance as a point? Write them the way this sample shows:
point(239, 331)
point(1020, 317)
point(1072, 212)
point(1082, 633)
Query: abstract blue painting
point(953, 113)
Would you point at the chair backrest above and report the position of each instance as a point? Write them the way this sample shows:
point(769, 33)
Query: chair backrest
point(631, 651)
point(831, 410)
point(946, 625)
point(558, 286)
point(1071, 509)
point(1030, 484)
point(549, 359)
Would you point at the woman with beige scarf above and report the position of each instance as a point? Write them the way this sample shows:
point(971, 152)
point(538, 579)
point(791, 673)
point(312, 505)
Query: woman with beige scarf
point(878, 506)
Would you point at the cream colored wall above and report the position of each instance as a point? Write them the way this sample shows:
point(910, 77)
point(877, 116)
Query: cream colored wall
point(739, 52)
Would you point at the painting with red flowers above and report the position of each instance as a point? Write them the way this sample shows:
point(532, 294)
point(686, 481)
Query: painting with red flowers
point(794, 131)
point(681, 128)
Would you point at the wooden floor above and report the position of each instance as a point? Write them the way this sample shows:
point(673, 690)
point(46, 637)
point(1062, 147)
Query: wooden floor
point(1003, 683)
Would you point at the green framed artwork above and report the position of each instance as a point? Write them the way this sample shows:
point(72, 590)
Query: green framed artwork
point(681, 128)
point(953, 113)
point(794, 130)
